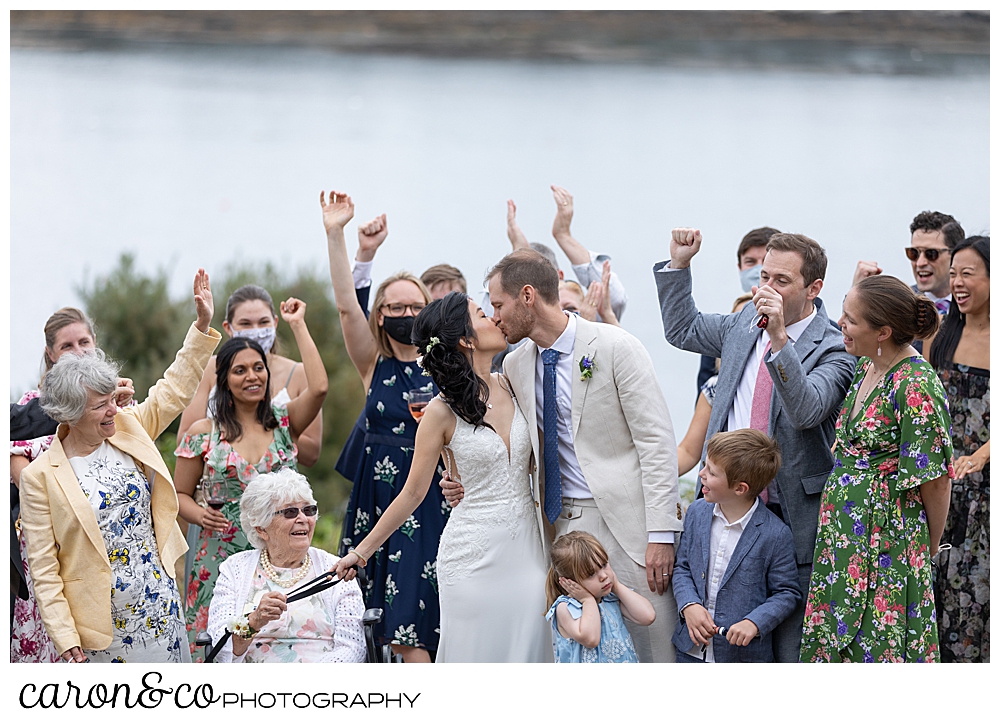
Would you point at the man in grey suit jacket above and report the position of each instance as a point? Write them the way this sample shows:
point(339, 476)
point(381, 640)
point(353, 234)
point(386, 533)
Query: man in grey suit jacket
point(808, 368)
point(601, 435)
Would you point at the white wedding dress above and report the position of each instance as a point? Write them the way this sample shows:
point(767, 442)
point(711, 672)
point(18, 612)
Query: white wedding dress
point(490, 565)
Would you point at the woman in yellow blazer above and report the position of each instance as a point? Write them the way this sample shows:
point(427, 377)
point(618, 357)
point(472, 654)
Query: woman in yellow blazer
point(101, 511)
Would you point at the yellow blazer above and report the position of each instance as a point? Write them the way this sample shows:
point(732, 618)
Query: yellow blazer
point(66, 552)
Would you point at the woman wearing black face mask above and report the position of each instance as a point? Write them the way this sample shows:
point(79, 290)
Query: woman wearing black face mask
point(402, 578)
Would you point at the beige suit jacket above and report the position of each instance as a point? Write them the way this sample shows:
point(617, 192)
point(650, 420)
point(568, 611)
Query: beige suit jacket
point(622, 434)
point(66, 552)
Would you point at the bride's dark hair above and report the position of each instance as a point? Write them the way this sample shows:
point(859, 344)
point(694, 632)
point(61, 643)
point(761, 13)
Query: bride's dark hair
point(437, 331)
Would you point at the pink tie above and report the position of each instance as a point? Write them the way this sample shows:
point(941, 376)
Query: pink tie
point(760, 406)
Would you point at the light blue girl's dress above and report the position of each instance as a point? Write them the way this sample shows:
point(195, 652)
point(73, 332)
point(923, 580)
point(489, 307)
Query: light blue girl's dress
point(615, 646)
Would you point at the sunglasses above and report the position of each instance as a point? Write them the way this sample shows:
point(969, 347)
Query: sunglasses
point(290, 513)
point(932, 254)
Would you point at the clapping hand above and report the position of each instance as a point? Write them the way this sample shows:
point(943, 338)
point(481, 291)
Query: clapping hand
point(338, 212)
point(293, 310)
point(564, 212)
point(592, 301)
point(203, 303)
point(370, 237)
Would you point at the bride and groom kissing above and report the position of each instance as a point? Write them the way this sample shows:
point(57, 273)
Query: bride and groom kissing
point(575, 435)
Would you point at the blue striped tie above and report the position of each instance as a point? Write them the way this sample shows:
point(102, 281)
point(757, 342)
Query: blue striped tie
point(550, 428)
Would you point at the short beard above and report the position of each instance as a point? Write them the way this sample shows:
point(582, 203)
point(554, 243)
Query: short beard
point(520, 325)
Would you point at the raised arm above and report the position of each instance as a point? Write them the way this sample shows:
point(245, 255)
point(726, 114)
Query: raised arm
point(435, 428)
point(358, 338)
point(304, 408)
point(514, 233)
point(683, 325)
point(575, 251)
point(169, 396)
point(198, 408)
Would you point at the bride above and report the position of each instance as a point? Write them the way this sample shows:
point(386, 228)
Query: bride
point(490, 565)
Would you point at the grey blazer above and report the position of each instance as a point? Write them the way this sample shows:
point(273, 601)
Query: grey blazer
point(760, 584)
point(809, 389)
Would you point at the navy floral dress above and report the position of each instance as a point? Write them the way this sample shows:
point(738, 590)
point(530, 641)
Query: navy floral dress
point(402, 573)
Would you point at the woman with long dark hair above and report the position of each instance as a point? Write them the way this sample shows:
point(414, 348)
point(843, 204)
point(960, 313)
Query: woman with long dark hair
point(961, 355)
point(886, 501)
point(250, 435)
point(490, 565)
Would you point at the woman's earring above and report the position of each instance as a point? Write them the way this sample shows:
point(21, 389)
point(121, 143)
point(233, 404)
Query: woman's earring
point(880, 348)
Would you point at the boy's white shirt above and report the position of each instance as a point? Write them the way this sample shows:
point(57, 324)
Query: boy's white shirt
point(722, 542)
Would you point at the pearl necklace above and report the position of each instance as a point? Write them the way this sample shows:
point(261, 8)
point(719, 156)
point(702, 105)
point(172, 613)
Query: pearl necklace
point(272, 574)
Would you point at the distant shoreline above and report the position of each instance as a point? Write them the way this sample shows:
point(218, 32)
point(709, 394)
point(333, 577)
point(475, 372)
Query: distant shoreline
point(872, 41)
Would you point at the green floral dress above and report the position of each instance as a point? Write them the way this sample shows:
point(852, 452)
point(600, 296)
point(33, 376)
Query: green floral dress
point(224, 463)
point(870, 596)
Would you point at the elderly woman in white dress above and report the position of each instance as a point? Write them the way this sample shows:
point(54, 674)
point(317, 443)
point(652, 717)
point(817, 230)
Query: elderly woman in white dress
point(278, 513)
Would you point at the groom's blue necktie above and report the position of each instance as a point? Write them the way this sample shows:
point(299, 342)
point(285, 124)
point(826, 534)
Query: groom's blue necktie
point(550, 428)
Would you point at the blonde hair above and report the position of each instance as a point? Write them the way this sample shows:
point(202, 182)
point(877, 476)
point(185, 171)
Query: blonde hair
point(379, 332)
point(575, 555)
point(572, 286)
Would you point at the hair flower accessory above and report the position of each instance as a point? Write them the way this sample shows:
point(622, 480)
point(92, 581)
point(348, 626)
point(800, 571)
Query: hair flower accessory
point(587, 367)
point(434, 342)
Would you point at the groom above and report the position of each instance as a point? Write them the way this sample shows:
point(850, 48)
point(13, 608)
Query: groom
point(601, 433)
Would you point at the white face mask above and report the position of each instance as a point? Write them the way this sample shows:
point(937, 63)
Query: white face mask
point(750, 277)
point(264, 336)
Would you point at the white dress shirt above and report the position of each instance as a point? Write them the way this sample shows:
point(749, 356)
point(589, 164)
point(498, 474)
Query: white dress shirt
point(739, 415)
point(722, 543)
point(574, 484)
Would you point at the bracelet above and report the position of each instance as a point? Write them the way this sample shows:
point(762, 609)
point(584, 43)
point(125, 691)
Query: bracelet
point(242, 628)
point(362, 558)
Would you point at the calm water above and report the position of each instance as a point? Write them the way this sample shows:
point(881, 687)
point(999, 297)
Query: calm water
point(201, 157)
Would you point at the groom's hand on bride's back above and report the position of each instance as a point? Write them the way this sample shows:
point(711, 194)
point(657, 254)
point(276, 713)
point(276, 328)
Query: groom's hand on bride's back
point(453, 491)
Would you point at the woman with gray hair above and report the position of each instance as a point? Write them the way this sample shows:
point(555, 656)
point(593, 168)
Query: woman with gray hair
point(100, 508)
point(278, 513)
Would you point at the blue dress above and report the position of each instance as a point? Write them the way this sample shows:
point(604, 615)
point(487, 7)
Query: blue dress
point(615, 646)
point(402, 574)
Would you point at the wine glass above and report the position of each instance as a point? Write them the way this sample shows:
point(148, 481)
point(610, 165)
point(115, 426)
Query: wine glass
point(216, 500)
point(417, 402)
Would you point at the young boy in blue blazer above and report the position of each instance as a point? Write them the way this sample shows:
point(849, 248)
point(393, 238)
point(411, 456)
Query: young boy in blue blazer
point(735, 579)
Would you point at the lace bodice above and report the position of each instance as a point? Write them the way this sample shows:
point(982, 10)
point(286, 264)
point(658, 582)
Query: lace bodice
point(497, 490)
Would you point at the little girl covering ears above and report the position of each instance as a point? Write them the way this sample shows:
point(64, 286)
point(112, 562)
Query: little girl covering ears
point(586, 604)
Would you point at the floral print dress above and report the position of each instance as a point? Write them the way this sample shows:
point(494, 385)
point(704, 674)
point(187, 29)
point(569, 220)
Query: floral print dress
point(145, 601)
point(29, 643)
point(223, 463)
point(402, 574)
point(870, 595)
point(962, 577)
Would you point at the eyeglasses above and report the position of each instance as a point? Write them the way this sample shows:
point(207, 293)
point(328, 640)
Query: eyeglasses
point(932, 254)
point(290, 513)
point(400, 309)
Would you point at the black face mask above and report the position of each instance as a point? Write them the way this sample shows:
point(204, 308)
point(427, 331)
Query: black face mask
point(399, 328)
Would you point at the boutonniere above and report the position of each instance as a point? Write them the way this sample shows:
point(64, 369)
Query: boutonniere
point(587, 367)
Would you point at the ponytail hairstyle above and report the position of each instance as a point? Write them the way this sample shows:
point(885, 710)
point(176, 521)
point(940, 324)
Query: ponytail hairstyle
point(225, 405)
point(887, 301)
point(575, 555)
point(58, 321)
point(437, 331)
point(943, 347)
